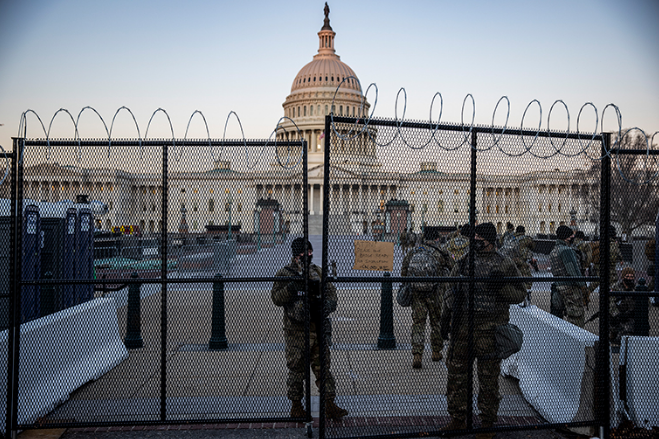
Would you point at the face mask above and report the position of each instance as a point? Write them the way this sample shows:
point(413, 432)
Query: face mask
point(307, 257)
point(479, 245)
point(628, 282)
point(570, 241)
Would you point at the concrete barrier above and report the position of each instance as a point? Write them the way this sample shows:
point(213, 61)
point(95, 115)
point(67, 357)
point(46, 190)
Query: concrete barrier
point(639, 364)
point(555, 366)
point(61, 352)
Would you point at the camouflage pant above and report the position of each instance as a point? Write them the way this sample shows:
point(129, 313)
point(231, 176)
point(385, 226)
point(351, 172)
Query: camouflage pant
point(295, 361)
point(488, 376)
point(573, 302)
point(424, 306)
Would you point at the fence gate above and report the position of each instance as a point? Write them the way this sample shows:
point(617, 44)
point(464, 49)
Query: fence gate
point(187, 238)
point(394, 183)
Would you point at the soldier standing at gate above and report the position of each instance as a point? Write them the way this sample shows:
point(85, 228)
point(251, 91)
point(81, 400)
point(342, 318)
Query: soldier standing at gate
point(290, 295)
point(491, 302)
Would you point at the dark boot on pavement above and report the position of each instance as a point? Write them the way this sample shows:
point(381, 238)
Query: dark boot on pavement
point(416, 362)
point(297, 410)
point(490, 435)
point(333, 411)
point(455, 424)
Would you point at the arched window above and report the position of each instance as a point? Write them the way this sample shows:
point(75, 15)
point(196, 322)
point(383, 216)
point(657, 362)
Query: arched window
point(488, 208)
point(305, 110)
point(326, 107)
point(211, 205)
point(310, 110)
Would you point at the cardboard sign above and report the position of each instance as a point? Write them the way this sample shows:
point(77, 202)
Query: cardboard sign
point(375, 256)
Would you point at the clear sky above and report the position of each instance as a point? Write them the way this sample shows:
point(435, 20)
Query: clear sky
point(242, 56)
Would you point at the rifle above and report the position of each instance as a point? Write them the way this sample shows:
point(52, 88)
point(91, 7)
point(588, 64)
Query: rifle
point(593, 317)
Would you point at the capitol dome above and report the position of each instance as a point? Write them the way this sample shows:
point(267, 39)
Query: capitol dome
point(315, 93)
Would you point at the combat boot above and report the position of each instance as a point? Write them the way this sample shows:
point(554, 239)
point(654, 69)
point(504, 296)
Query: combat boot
point(416, 362)
point(333, 411)
point(490, 435)
point(437, 356)
point(455, 424)
point(297, 410)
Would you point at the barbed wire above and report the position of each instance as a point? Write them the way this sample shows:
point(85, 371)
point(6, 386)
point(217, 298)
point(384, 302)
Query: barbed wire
point(361, 125)
point(467, 129)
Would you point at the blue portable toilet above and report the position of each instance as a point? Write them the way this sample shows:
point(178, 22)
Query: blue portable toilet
point(31, 267)
point(57, 254)
point(84, 255)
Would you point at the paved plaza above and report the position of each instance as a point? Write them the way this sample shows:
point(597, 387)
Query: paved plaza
point(248, 379)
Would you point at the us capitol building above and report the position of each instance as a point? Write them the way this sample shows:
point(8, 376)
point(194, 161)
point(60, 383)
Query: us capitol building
point(271, 199)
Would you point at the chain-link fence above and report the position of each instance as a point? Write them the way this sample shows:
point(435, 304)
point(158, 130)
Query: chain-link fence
point(163, 281)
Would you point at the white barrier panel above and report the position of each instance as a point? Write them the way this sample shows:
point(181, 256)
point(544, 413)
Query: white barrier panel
point(61, 352)
point(640, 363)
point(555, 366)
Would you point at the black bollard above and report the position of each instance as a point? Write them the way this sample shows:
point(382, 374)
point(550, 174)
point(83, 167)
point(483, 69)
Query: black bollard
point(47, 296)
point(133, 320)
point(641, 324)
point(218, 336)
point(386, 340)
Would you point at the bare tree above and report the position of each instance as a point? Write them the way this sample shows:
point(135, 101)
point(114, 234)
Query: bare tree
point(634, 185)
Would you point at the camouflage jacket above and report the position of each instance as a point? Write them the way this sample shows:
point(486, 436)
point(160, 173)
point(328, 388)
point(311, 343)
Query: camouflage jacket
point(491, 300)
point(444, 261)
point(281, 296)
point(526, 246)
point(585, 253)
point(457, 246)
point(565, 263)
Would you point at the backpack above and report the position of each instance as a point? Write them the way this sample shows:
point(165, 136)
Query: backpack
point(422, 264)
point(595, 245)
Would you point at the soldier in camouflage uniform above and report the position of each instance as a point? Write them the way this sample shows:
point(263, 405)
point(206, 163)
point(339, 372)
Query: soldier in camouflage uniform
point(491, 309)
point(621, 309)
point(510, 231)
point(290, 295)
point(458, 244)
point(570, 295)
point(584, 250)
point(428, 305)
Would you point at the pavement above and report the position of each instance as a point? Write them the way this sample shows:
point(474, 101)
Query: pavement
point(248, 379)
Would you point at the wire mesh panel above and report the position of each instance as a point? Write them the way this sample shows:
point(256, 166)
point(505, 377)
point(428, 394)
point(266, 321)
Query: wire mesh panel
point(217, 225)
point(494, 211)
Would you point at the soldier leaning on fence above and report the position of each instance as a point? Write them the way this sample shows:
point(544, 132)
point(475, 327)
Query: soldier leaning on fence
point(567, 298)
point(491, 309)
point(290, 295)
point(428, 305)
point(621, 309)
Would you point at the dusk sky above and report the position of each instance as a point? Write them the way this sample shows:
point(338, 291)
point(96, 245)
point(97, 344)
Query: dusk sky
point(222, 56)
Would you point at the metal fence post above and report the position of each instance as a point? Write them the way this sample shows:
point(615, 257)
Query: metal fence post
point(218, 336)
point(133, 320)
point(386, 340)
point(641, 324)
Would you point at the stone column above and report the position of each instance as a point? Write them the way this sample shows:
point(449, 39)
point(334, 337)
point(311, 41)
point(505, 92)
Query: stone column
point(320, 208)
point(311, 212)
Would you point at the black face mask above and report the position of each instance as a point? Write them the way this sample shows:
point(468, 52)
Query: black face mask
point(628, 283)
point(307, 257)
point(479, 245)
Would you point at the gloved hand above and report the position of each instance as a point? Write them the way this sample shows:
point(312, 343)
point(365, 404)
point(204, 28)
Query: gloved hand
point(295, 287)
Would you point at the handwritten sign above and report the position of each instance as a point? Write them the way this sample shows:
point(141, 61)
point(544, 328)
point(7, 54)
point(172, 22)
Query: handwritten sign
point(375, 256)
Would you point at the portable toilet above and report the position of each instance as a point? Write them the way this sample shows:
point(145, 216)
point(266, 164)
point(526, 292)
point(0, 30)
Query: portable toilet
point(84, 255)
point(57, 255)
point(31, 269)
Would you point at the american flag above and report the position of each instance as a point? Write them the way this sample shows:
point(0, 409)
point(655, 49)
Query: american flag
point(322, 135)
